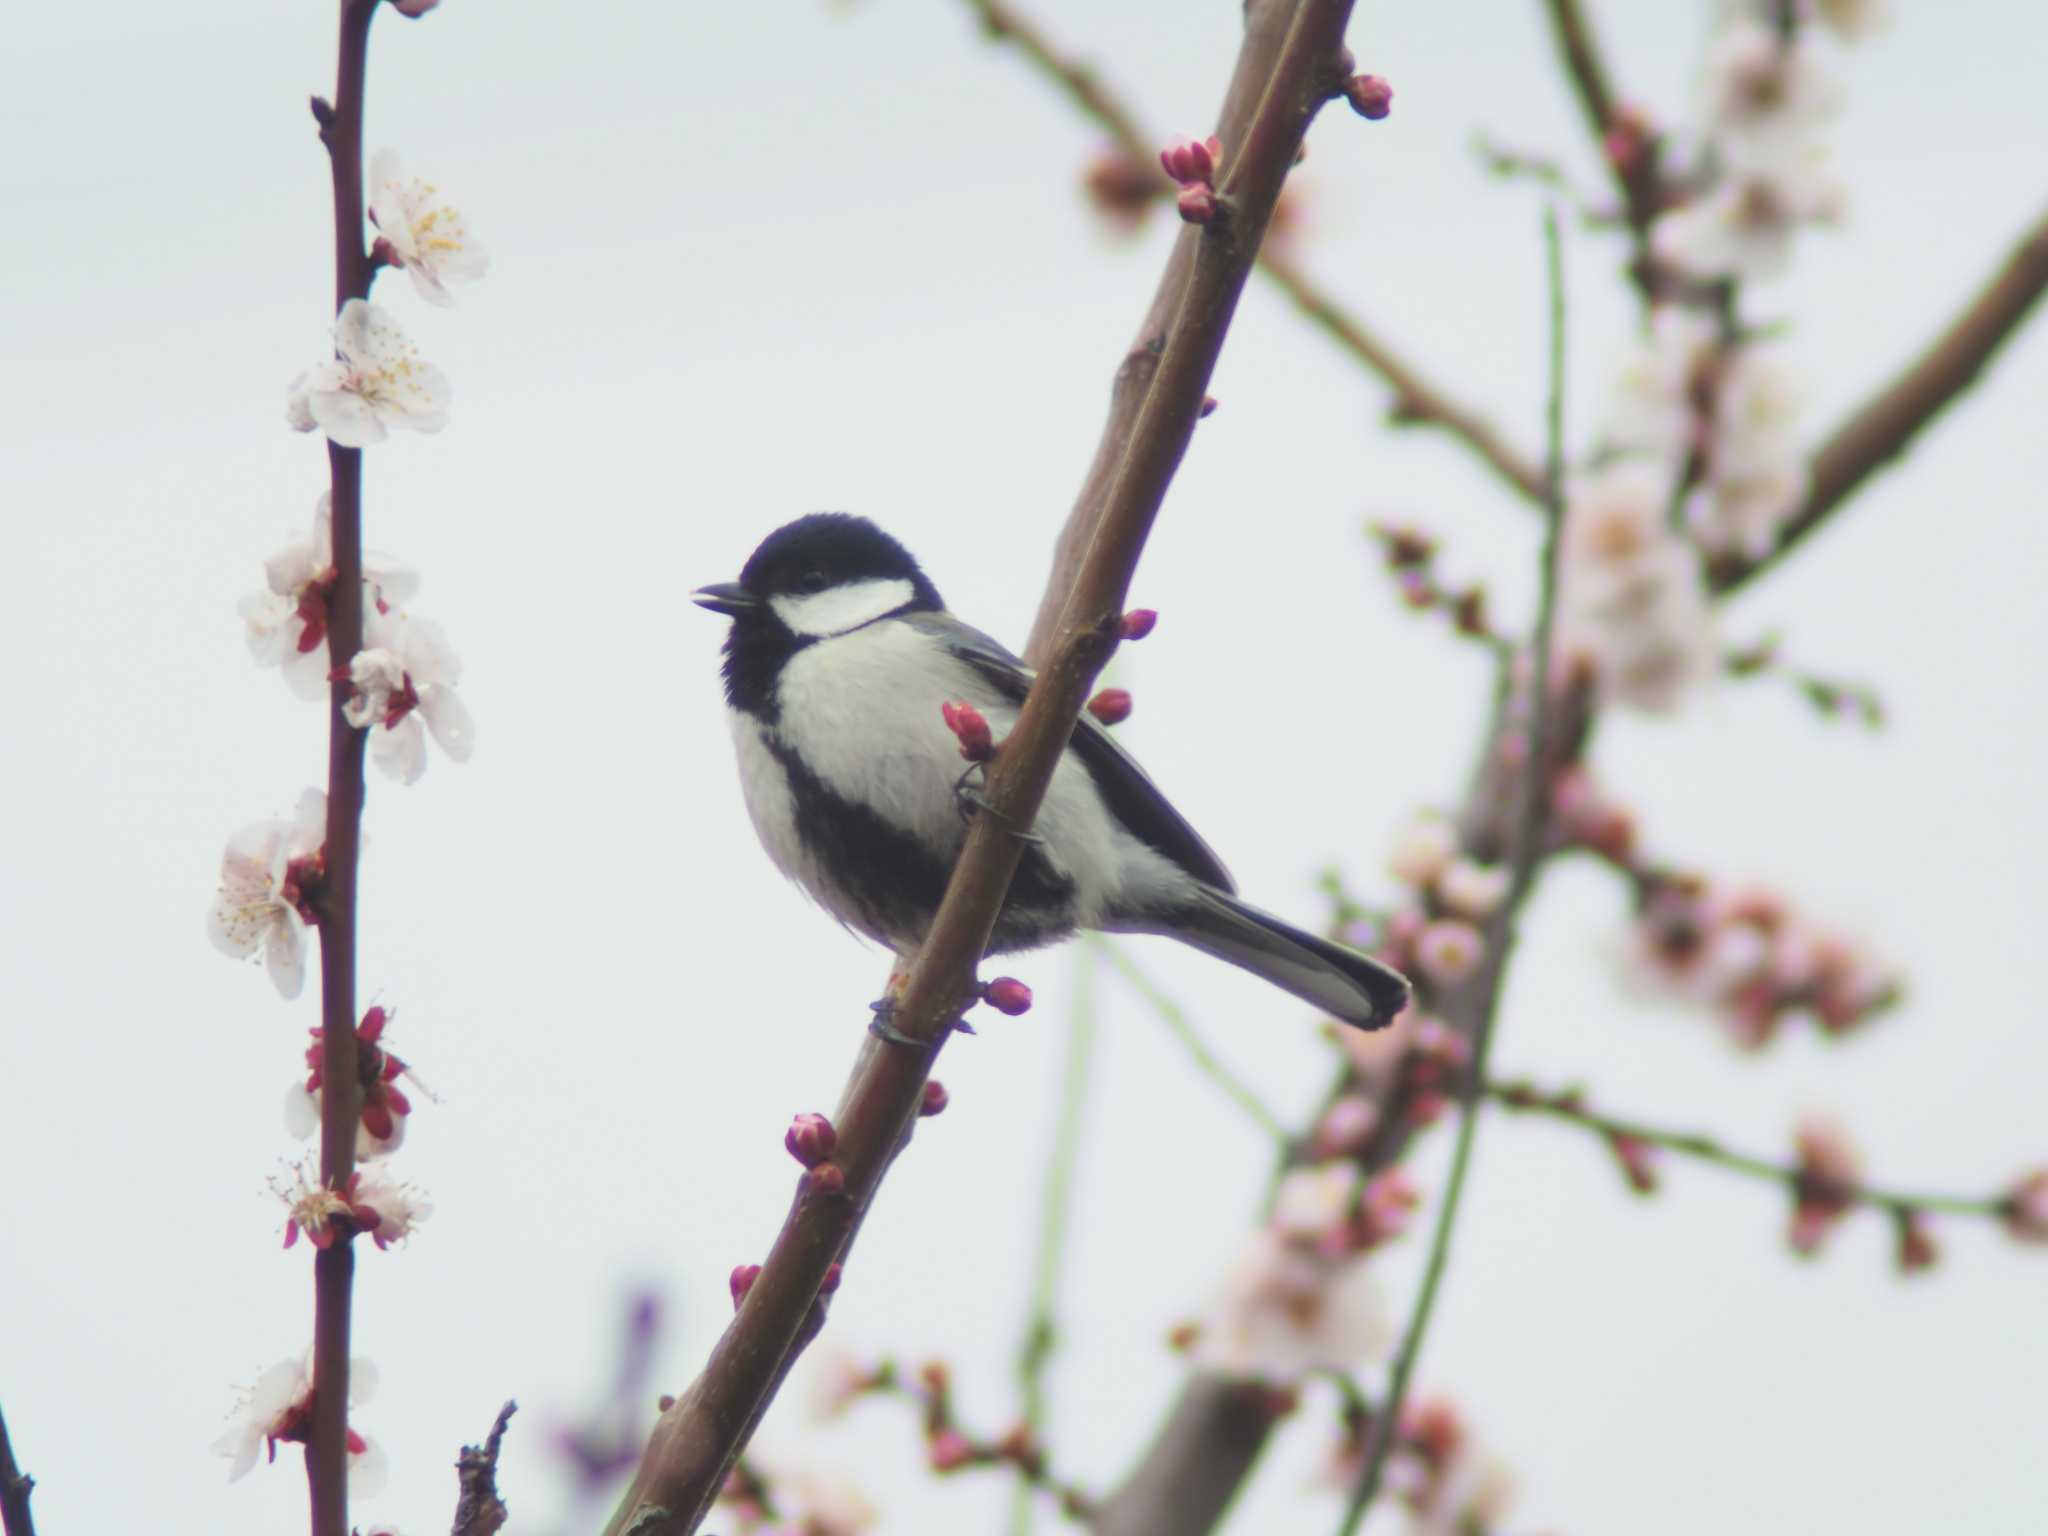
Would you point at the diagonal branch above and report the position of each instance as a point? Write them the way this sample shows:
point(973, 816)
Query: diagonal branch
point(1417, 401)
point(1153, 417)
point(1887, 424)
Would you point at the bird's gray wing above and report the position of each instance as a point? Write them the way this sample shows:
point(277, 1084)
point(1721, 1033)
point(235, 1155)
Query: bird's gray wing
point(1128, 790)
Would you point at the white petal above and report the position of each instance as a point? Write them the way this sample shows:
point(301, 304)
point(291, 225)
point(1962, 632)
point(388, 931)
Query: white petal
point(346, 417)
point(369, 1471)
point(305, 672)
point(401, 750)
point(284, 952)
point(423, 405)
point(363, 1380)
point(428, 655)
point(240, 1445)
point(389, 578)
point(386, 172)
point(449, 719)
point(427, 283)
point(298, 414)
point(301, 1112)
point(363, 333)
point(309, 822)
point(268, 627)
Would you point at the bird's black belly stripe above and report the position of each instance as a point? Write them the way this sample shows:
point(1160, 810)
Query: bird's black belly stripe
point(893, 881)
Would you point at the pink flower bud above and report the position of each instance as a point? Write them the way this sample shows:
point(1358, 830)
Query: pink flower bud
point(977, 742)
point(1208, 408)
point(1638, 1159)
point(2025, 1208)
point(1347, 1125)
point(810, 1139)
point(1112, 706)
point(1916, 1246)
point(949, 1450)
point(741, 1281)
point(935, 1099)
point(1006, 994)
point(827, 1180)
point(830, 1283)
point(1370, 96)
point(1192, 162)
point(1197, 205)
point(414, 8)
point(1138, 623)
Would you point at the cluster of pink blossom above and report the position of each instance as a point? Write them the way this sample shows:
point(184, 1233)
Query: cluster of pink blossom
point(1436, 1467)
point(1299, 1299)
point(1747, 955)
point(1441, 938)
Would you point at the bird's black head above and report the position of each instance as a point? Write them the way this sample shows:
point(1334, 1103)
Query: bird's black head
point(820, 576)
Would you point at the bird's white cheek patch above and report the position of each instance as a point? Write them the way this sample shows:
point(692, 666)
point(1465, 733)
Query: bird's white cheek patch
point(840, 609)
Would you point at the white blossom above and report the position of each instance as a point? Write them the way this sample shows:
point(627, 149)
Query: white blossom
point(1422, 848)
point(400, 1206)
point(1744, 227)
point(287, 620)
point(376, 382)
point(1632, 597)
point(1756, 470)
point(426, 234)
point(1286, 1312)
point(408, 674)
point(1766, 97)
point(257, 907)
point(279, 1405)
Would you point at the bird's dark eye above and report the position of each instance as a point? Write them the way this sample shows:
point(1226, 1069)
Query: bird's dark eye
point(811, 581)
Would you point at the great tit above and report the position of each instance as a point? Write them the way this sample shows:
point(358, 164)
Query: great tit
point(839, 658)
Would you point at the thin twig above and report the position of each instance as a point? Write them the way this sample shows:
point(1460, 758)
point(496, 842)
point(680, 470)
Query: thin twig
point(1041, 1330)
point(1637, 173)
point(478, 1510)
point(15, 1487)
point(341, 129)
point(1569, 1106)
point(1417, 401)
point(1528, 845)
point(698, 1439)
point(1887, 424)
point(1175, 1018)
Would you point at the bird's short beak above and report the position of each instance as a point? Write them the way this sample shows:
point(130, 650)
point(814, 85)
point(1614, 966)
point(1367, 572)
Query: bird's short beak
point(726, 597)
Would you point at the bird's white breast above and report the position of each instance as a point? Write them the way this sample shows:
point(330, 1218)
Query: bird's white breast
point(862, 712)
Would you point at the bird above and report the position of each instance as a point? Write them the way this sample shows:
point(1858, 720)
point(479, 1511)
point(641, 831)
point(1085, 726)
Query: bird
point(840, 658)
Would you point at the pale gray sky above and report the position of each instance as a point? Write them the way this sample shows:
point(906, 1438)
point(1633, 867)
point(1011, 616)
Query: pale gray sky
point(756, 260)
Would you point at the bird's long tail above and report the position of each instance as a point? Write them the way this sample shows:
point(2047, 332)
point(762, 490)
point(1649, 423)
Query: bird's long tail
point(1350, 987)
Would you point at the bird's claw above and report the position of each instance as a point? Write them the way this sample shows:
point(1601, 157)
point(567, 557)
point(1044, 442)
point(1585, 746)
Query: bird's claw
point(881, 1027)
point(967, 800)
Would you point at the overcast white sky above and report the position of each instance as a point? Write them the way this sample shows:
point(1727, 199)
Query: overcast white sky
point(757, 260)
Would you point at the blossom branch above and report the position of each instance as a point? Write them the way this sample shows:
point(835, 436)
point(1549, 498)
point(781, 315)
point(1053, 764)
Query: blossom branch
point(699, 1438)
point(1570, 1106)
point(1041, 1330)
point(341, 130)
point(1624, 141)
point(1888, 423)
point(1417, 401)
point(15, 1487)
point(1532, 813)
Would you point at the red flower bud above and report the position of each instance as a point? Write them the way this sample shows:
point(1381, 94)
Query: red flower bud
point(1112, 706)
point(830, 1283)
point(1208, 408)
point(1138, 623)
point(977, 741)
point(1370, 96)
point(949, 1450)
point(935, 1098)
point(810, 1139)
point(741, 1281)
point(1006, 994)
point(1192, 162)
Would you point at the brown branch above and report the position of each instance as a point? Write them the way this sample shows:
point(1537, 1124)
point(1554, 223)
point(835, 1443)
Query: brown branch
point(1888, 423)
point(479, 1511)
point(1153, 418)
point(1417, 402)
point(15, 1487)
point(341, 129)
